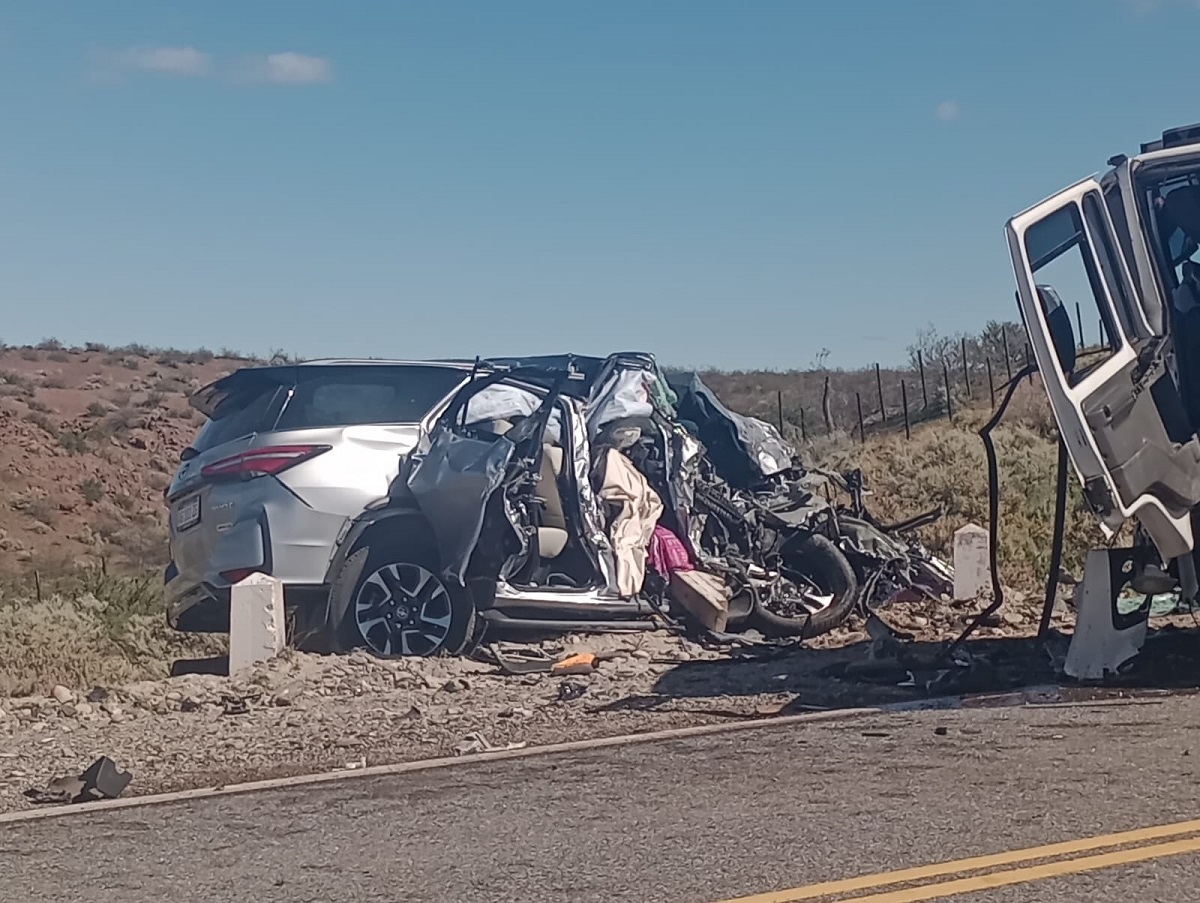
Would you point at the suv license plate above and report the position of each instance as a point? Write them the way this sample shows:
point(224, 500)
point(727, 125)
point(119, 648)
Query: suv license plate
point(188, 513)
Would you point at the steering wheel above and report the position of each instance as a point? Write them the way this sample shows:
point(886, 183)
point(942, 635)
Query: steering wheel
point(1189, 248)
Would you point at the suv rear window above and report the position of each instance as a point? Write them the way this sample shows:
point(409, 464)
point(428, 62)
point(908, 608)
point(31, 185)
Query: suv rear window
point(248, 410)
point(344, 396)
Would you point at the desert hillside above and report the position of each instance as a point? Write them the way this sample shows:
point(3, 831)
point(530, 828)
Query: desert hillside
point(91, 438)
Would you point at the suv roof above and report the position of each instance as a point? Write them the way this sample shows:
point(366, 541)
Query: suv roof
point(362, 362)
point(210, 397)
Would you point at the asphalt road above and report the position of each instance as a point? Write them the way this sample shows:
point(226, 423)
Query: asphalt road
point(695, 821)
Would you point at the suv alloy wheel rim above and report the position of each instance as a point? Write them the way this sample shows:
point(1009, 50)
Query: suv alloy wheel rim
point(403, 609)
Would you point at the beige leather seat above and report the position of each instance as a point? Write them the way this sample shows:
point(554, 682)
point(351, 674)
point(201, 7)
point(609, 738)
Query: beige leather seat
point(552, 535)
point(495, 427)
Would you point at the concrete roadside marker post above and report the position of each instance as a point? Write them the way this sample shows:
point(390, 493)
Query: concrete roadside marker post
point(256, 622)
point(972, 575)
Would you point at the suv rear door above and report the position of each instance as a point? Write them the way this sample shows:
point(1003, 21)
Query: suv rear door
point(1116, 402)
point(288, 453)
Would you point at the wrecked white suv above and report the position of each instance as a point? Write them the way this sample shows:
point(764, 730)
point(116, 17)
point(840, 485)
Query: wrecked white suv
point(551, 493)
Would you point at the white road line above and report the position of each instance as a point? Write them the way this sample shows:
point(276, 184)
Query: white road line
point(376, 771)
point(705, 730)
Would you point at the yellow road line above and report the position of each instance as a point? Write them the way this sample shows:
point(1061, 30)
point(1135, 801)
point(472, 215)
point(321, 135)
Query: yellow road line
point(974, 863)
point(992, 880)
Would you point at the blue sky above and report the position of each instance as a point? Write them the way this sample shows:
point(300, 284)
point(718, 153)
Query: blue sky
point(738, 184)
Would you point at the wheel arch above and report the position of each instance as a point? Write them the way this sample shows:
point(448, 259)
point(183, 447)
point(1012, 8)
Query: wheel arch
point(386, 526)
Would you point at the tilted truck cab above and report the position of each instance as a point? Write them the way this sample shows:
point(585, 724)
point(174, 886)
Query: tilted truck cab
point(1110, 298)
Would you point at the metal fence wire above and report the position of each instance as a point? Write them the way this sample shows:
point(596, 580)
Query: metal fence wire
point(943, 377)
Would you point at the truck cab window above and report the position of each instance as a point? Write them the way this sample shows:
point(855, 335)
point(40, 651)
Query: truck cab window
point(1072, 292)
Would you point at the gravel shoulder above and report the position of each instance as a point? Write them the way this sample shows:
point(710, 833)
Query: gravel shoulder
point(304, 714)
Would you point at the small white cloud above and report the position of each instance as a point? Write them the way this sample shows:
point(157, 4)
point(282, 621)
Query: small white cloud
point(287, 69)
point(948, 110)
point(163, 60)
point(113, 66)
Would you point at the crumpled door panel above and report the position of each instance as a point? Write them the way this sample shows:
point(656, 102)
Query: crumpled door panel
point(452, 484)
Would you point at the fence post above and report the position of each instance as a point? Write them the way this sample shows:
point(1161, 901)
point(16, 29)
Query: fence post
point(991, 382)
point(1007, 356)
point(924, 393)
point(803, 429)
point(1029, 360)
point(862, 430)
point(904, 406)
point(966, 369)
point(1079, 325)
point(879, 389)
point(946, 381)
point(779, 406)
point(826, 411)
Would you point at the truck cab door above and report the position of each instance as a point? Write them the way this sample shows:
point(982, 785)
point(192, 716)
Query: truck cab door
point(1116, 402)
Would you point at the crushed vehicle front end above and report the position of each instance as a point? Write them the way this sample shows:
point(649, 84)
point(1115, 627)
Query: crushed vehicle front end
point(654, 464)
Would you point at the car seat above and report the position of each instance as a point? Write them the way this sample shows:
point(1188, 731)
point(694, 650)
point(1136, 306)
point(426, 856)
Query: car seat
point(1058, 321)
point(552, 531)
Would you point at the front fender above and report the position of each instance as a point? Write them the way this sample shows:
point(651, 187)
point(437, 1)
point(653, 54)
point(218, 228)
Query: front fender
point(346, 565)
point(396, 516)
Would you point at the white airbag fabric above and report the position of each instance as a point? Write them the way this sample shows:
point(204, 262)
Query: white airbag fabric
point(631, 529)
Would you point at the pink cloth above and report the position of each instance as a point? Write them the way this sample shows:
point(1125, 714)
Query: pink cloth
point(667, 553)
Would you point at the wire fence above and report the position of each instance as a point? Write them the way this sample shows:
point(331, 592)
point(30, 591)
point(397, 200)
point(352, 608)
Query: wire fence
point(941, 381)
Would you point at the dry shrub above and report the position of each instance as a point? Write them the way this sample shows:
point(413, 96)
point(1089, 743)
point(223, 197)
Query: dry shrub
point(136, 544)
point(946, 465)
point(16, 385)
point(40, 509)
point(111, 630)
point(171, 386)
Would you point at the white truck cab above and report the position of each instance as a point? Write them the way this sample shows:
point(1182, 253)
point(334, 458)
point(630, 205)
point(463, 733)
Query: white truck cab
point(1111, 256)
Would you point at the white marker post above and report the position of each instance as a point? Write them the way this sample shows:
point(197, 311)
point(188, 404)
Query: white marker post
point(256, 622)
point(972, 576)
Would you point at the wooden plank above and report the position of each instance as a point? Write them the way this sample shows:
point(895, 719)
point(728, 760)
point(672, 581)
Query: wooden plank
point(704, 596)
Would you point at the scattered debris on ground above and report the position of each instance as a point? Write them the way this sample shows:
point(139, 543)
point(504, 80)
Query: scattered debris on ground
point(102, 780)
point(306, 713)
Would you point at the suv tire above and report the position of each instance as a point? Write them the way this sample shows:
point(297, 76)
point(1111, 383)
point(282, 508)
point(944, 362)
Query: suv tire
point(824, 564)
point(401, 606)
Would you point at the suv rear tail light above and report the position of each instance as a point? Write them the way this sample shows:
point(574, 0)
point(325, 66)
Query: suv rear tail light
point(237, 576)
point(257, 462)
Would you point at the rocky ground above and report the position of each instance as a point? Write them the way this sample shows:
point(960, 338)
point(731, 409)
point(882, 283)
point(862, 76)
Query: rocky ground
point(306, 713)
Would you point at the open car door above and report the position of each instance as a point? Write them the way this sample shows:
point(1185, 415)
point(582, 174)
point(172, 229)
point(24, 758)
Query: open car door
point(480, 470)
point(1117, 404)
